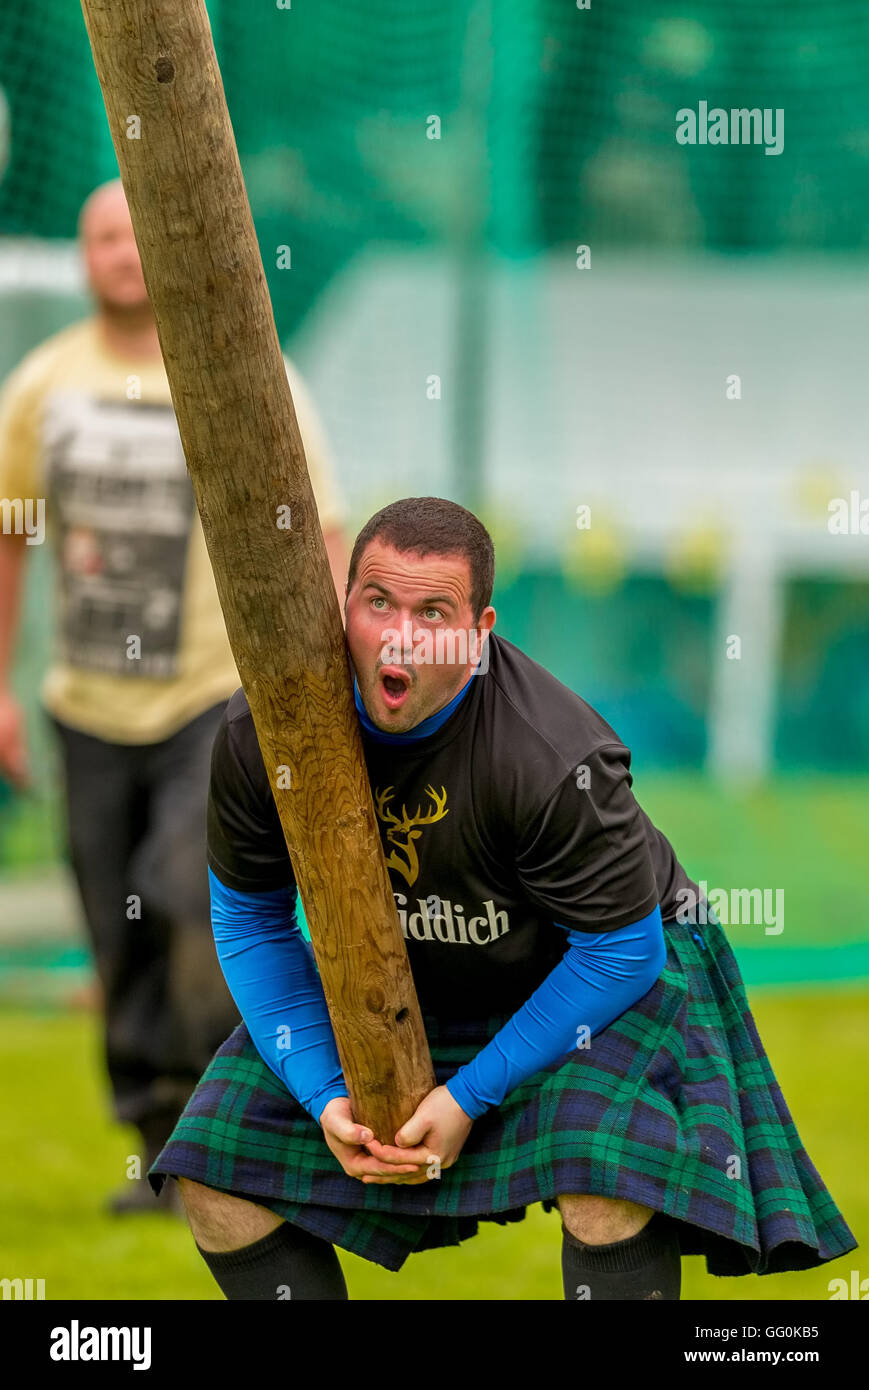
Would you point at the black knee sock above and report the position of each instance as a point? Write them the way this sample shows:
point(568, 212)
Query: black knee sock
point(647, 1265)
point(287, 1263)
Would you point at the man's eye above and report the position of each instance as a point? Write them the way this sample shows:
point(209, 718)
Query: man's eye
point(428, 611)
point(381, 599)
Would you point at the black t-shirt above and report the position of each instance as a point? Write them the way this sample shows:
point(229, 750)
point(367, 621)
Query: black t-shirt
point(517, 813)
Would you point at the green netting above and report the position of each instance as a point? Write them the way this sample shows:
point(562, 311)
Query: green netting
point(557, 125)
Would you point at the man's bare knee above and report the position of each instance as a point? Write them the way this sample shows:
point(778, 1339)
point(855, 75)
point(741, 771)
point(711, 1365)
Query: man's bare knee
point(220, 1222)
point(601, 1220)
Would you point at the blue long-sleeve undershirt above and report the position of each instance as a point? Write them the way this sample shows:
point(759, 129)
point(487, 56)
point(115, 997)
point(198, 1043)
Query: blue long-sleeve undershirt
point(600, 975)
point(271, 974)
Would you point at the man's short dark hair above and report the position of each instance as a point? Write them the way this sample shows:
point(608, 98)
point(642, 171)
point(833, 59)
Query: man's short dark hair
point(433, 526)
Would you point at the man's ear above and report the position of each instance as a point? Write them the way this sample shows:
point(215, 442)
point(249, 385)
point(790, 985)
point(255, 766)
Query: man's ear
point(483, 625)
point(486, 620)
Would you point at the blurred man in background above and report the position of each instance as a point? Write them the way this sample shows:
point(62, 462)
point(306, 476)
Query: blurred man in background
point(142, 672)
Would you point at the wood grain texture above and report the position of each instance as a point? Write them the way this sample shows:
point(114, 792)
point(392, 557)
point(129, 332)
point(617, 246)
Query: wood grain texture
point(155, 60)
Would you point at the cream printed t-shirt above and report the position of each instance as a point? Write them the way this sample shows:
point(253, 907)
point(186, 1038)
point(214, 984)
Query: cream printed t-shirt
point(131, 558)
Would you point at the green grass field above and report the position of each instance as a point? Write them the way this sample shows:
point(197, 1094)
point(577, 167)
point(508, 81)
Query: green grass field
point(60, 1155)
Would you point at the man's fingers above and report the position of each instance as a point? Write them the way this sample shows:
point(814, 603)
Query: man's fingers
point(346, 1131)
point(356, 1167)
point(413, 1132)
point(388, 1153)
point(406, 1182)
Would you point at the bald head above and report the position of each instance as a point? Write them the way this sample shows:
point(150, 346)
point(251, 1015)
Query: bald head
point(107, 197)
point(111, 255)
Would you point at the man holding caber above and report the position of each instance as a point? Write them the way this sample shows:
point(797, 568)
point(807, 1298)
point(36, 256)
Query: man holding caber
point(592, 1051)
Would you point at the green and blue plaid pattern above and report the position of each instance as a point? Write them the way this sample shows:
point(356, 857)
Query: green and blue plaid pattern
point(673, 1105)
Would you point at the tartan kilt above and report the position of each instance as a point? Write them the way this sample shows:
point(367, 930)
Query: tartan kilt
point(673, 1105)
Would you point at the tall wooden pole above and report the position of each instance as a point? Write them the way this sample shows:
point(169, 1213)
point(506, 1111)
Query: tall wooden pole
point(179, 166)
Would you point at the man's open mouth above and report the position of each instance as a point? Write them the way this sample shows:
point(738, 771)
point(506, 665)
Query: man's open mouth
point(394, 685)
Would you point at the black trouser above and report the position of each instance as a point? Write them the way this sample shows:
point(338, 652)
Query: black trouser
point(136, 824)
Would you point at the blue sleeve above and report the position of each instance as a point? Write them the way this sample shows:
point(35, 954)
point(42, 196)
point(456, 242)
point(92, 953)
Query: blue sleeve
point(270, 971)
point(600, 975)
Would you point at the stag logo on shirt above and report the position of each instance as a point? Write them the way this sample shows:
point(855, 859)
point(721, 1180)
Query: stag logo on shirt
point(403, 856)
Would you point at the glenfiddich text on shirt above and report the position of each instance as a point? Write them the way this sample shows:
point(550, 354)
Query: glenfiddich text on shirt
point(447, 922)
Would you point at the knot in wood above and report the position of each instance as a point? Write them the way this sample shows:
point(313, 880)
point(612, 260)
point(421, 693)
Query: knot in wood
point(165, 69)
point(375, 1000)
